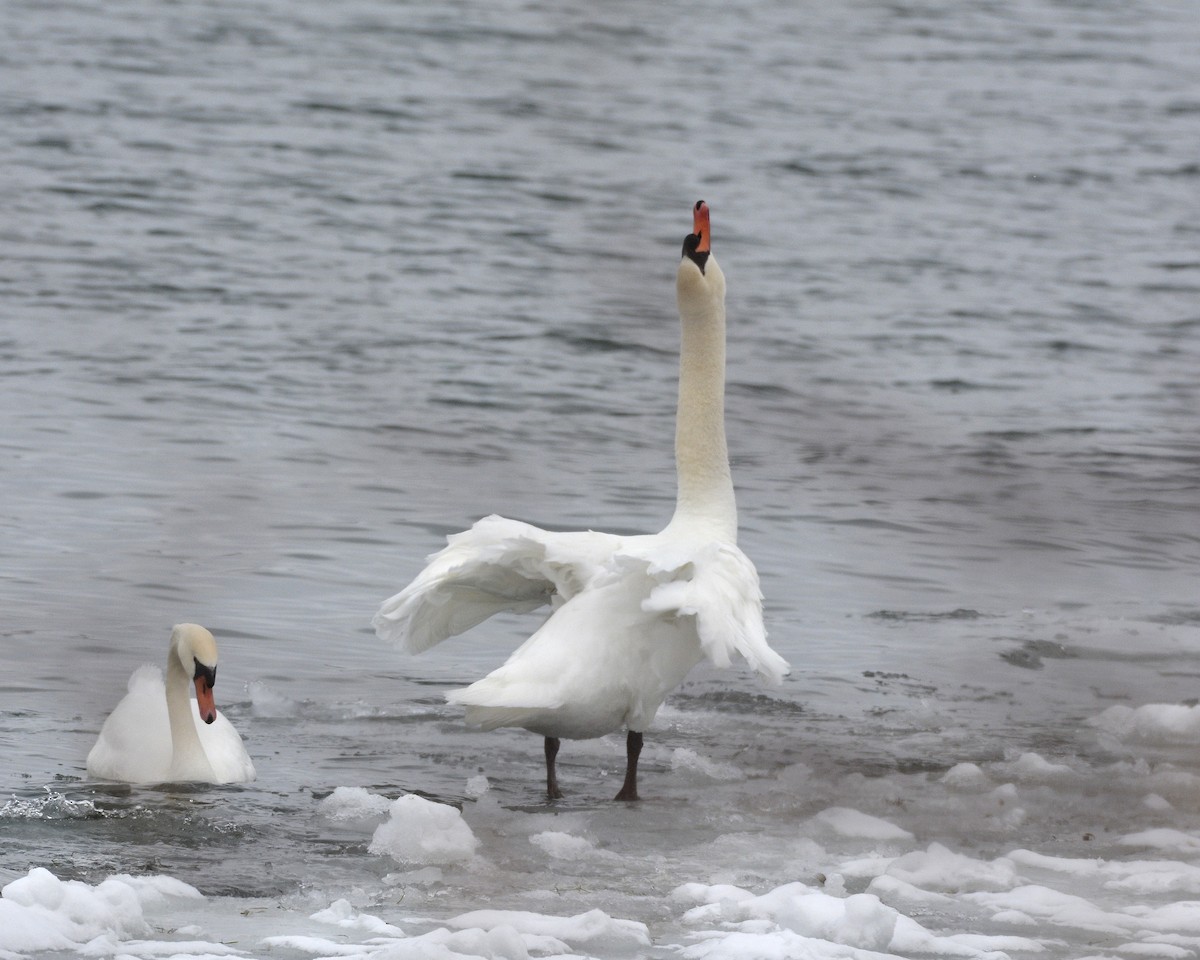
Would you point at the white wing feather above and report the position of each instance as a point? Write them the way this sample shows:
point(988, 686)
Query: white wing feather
point(497, 565)
point(723, 594)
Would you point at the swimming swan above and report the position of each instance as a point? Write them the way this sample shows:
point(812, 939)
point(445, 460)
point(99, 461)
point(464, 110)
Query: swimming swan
point(631, 615)
point(158, 734)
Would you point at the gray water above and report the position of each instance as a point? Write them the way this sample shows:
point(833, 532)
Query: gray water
point(289, 291)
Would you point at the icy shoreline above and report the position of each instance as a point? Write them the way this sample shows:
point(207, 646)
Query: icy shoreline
point(863, 878)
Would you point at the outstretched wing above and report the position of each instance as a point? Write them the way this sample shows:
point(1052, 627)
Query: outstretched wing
point(718, 585)
point(497, 565)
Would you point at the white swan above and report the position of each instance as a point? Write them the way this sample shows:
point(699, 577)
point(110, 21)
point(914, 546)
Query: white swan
point(631, 615)
point(158, 734)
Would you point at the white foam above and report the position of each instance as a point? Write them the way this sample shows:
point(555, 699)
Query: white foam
point(265, 702)
point(53, 806)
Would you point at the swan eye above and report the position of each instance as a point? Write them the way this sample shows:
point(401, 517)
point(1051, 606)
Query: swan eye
point(690, 244)
point(208, 674)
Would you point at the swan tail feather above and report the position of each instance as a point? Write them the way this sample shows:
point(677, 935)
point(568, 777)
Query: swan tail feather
point(492, 718)
point(490, 704)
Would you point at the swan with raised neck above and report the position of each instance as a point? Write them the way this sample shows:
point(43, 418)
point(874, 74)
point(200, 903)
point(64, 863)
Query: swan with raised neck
point(631, 615)
point(705, 499)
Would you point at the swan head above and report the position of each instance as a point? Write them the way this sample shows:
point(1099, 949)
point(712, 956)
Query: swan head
point(197, 652)
point(699, 284)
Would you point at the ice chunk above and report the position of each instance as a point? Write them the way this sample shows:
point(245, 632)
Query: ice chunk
point(774, 945)
point(353, 803)
point(706, 893)
point(594, 930)
point(563, 846)
point(1151, 723)
point(420, 831)
point(939, 868)
point(40, 912)
point(866, 923)
point(1164, 838)
point(501, 943)
point(1032, 767)
point(966, 776)
point(314, 946)
point(690, 761)
point(1056, 907)
point(340, 913)
point(860, 921)
point(852, 823)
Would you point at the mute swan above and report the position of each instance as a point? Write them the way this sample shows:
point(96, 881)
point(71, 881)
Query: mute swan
point(157, 734)
point(631, 614)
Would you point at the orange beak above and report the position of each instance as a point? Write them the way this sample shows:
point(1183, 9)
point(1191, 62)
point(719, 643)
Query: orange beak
point(204, 700)
point(700, 227)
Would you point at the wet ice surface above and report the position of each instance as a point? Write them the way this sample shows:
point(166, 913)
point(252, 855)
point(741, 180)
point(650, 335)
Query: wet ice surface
point(917, 819)
point(291, 292)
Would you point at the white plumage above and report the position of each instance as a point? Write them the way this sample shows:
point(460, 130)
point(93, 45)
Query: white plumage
point(630, 615)
point(156, 733)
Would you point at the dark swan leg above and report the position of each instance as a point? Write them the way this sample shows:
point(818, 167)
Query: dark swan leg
point(552, 791)
point(633, 749)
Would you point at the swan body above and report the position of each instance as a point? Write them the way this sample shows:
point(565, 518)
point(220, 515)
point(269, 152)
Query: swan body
point(158, 734)
point(630, 615)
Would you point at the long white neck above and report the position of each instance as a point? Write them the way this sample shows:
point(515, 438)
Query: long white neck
point(705, 493)
point(188, 759)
